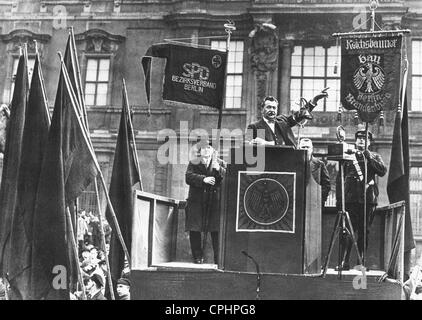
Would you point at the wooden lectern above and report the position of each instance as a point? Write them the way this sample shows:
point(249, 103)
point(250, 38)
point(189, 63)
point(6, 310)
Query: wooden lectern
point(265, 214)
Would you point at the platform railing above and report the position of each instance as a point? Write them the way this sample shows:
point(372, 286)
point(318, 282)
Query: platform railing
point(394, 221)
point(154, 230)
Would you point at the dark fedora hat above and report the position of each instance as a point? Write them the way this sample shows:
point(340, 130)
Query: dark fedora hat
point(98, 280)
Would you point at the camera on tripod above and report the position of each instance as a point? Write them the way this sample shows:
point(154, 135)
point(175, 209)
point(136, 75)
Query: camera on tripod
point(341, 151)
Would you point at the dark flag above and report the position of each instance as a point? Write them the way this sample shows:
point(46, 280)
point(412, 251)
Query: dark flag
point(398, 175)
point(71, 63)
point(124, 178)
point(12, 159)
point(194, 76)
point(37, 122)
point(370, 74)
point(67, 169)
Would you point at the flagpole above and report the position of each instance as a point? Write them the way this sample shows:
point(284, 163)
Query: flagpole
point(25, 53)
point(110, 281)
point(81, 97)
point(42, 83)
point(373, 5)
point(229, 28)
point(94, 159)
point(132, 133)
point(73, 209)
point(75, 251)
point(77, 75)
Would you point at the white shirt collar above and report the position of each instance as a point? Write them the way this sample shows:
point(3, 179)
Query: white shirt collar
point(270, 124)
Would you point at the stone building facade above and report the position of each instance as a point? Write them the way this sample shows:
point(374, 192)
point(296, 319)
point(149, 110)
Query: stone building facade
point(295, 59)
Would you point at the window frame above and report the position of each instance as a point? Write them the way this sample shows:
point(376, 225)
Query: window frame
point(325, 78)
point(84, 67)
point(413, 75)
point(416, 192)
point(241, 74)
point(15, 61)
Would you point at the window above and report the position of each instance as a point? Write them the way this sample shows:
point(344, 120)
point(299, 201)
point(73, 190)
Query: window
point(88, 198)
point(416, 199)
point(416, 75)
point(312, 70)
point(332, 167)
point(31, 63)
point(234, 72)
point(96, 81)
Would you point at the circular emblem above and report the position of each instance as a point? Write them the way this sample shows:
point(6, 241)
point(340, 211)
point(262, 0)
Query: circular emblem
point(369, 78)
point(266, 201)
point(216, 61)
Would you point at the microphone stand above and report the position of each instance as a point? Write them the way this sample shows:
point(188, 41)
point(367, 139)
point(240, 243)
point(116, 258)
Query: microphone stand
point(258, 274)
point(365, 204)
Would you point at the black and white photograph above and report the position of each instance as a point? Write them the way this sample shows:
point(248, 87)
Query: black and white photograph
point(210, 154)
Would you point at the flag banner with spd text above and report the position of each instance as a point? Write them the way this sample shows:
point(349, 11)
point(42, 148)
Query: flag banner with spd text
point(194, 76)
point(370, 74)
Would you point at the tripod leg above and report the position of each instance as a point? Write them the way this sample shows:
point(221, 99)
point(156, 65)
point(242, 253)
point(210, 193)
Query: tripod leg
point(352, 234)
point(334, 236)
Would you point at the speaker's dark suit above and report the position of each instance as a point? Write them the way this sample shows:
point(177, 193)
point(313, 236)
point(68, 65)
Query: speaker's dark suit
point(283, 131)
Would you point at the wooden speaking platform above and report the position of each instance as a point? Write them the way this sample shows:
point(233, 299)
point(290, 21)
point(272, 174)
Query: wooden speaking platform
point(265, 214)
point(270, 212)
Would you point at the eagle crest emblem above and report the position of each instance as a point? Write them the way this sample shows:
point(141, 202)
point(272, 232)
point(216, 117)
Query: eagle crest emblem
point(369, 78)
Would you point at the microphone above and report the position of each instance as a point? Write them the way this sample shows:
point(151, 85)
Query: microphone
point(258, 274)
point(340, 134)
point(305, 111)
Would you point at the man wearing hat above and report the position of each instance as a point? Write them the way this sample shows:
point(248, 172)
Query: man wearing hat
point(354, 180)
point(123, 289)
point(204, 176)
point(94, 284)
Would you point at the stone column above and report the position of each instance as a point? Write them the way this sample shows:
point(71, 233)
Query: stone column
point(285, 73)
point(264, 63)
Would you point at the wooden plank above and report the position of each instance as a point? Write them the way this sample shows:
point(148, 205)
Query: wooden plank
point(147, 195)
point(163, 233)
point(226, 285)
point(140, 234)
point(312, 258)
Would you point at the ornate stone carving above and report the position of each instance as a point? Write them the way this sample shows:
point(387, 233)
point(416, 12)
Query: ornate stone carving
point(117, 5)
point(99, 41)
point(87, 6)
point(264, 48)
point(261, 89)
point(314, 29)
point(17, 38)
point(98, 44)
point(15, 6)
point(43, 7)
point(388, 24)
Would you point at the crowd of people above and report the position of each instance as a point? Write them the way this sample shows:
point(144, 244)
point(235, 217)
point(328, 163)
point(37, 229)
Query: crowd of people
point(89, 229)
point(92, 263)
point(92, 260)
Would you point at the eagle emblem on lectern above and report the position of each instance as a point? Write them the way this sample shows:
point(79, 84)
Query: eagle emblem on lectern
point(266, 201)
point(369, 78)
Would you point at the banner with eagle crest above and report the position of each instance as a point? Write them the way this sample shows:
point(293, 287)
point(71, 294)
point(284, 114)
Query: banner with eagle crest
point(370, 74)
